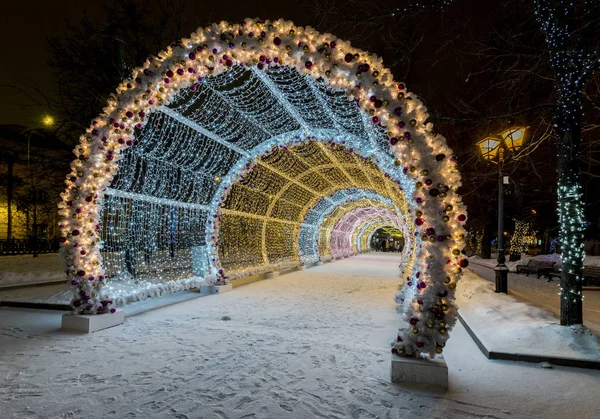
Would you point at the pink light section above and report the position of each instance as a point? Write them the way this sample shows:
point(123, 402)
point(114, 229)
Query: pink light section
point(341, 236)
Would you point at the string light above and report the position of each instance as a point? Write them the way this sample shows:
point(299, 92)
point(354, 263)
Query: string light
point(573, 63)
point(518, 238)
point(344, 240)
point(186, 154)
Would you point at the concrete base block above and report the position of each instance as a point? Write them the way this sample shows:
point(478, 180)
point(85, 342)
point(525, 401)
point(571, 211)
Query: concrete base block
point(274, 274)
point(301, 268)
point(219, 289)
point(420, 370)
point(319, 263)
point(88, 323)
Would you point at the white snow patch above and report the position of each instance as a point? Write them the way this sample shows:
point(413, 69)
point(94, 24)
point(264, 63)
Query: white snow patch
point(505, 324)
point(25, 269)
point(308, 344)
point(554, 257)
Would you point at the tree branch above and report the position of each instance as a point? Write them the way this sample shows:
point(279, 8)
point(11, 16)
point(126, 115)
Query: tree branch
point(492, 118)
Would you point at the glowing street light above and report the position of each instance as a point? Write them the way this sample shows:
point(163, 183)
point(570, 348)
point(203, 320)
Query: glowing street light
point(48, 120)
point(514, 138)
point(492, 149)
point(489, 148)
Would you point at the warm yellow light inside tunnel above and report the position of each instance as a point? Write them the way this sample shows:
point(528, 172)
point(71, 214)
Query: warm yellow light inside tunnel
point(263, 211)
point(337, 214)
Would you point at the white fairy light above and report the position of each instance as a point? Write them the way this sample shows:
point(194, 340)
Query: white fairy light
point(150, 193)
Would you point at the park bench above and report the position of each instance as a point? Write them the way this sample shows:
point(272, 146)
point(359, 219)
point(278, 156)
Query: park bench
point(539, 267)
point(591, 275)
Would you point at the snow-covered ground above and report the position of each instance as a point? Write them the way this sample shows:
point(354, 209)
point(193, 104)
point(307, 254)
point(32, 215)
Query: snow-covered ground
point(540, 292)
point(554, 257)
point(25, 269)
point(506, 324)
point(308, 344)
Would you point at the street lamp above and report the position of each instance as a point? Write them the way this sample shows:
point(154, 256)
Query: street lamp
point(492, 149)
point(47, 122)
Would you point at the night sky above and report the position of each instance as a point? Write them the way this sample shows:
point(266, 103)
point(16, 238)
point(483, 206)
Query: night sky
point(26, 25)
point(23, 31)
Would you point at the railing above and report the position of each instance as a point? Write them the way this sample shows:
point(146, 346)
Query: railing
point(27, 246)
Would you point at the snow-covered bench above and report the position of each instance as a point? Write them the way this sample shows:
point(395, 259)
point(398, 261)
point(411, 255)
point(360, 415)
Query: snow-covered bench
point(539, 267)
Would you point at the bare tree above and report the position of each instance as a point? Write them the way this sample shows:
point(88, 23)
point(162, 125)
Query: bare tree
point(34, 163)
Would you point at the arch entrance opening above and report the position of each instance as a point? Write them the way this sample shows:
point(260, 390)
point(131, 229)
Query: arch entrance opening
point(386, 238)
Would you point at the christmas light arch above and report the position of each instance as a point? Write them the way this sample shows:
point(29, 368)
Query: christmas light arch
point(207, 87)
point(293, 186)
point(345, 237)
point(370, 228)
point(326, 213)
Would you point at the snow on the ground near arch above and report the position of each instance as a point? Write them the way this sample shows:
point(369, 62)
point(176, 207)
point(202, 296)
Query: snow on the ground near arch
point(554, 257)
point(308, 344)
point(25, 269)
point(539, 291)
point(506, 324)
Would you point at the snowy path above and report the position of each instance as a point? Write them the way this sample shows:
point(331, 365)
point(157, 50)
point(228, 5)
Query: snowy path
point(312, 344)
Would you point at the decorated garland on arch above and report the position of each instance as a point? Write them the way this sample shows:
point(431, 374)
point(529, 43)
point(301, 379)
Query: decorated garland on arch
point(423, 156)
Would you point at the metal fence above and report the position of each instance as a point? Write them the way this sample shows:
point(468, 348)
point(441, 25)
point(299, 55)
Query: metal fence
point(28, 246)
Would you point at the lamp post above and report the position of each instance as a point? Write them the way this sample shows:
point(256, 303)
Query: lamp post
point(492, 148)
point(47, 122)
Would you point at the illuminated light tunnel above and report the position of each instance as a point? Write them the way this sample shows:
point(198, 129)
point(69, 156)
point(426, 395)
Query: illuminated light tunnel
point(281, 194)
point(347, 235)
point(258, 146)
point(372, 227)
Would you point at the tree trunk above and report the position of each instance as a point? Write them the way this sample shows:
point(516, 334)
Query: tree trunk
point(570, 209)
point(35, 225)
point(486, 245)
point(9, 198)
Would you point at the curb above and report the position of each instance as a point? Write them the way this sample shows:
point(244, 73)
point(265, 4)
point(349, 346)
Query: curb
point(38, 306)
point(536, 359)
point(32, 284)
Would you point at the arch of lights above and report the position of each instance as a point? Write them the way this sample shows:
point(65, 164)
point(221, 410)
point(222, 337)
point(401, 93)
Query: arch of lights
point(328, 234)
point(148, 197)
point(292, 187)
point(345, 239)
point(370, 228)
point(326, 213)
